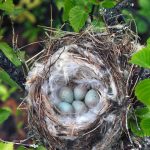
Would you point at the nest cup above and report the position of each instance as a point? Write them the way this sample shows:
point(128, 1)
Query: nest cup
point(92, 60)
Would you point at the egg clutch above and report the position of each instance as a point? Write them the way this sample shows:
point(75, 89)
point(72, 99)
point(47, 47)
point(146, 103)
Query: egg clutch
point(78, 90)
point(77, 100)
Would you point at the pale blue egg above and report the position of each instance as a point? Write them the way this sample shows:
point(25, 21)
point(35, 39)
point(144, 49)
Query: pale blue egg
point(79, 107)
point(92, 98)
point(66, 94)
point(79, 92)
point(65, 107)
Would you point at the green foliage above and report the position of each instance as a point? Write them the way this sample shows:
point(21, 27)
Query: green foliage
point(145, 126)
point(4, 114)
point(6, 91)
point(94, 2)
point(41, 148)
point(4, 76)
point(108, 3)
point(142, 92)
point(135, 128)
point(142, 58)
point(77, 18)
point(145, 12)
point(77, 12)
point(7, 6)
point(144, 4)
point(142, 112)
point(9, 52)
point(68, 4)
point(6, 146)
point(31, 32)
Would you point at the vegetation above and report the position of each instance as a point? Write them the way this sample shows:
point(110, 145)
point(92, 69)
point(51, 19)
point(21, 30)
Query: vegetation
point(26, 18)
point(141, 127)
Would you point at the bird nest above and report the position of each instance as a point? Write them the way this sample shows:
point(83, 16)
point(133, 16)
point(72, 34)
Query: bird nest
point(97, 61)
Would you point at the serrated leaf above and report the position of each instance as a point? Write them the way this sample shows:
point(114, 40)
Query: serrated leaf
point(145, 125)
point(7, 6)
point(10, 54)
point(4, 76)
point(4, 114)
point(142, 58)
point(142, 91)
point(68, 4)
point(77, 18)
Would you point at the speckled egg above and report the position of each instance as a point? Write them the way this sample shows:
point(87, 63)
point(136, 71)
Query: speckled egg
point(66, 94)
point(79, 92)
point(66, 108)
point(79, 107)
point(91, 98)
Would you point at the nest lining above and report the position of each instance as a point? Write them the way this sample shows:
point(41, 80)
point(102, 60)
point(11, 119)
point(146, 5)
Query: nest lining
point(95, 60)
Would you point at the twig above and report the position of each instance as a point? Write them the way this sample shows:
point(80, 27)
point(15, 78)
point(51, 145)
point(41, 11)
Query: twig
point(17, 143)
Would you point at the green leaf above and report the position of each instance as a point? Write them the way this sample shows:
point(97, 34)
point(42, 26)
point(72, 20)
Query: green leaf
point(10, 54)
point(135, 129)
point(21, 148)
point(142, 26)
point(148, 42)
point(41, 148)
point(85, 5)
point(142, 58)
point(3, 92)
point(4, 114)
point(95, 2)
point(68, 4)
point(59, 3)
point(6, 146)
point(145, 4)
point(108, 3)
point(142, 91)
point(7, 5)
point(145, 125)
point(4, 76)
point(18, 11)
point(77, 18)
point(21, 55)
point(142, 112)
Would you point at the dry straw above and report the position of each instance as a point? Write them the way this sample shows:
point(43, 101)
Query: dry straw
point(96, 59)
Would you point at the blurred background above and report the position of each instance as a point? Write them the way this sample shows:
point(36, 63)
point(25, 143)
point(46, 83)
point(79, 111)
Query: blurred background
point(22, 30)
